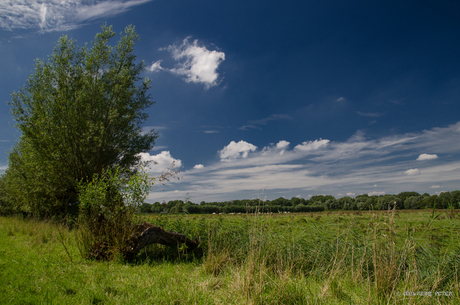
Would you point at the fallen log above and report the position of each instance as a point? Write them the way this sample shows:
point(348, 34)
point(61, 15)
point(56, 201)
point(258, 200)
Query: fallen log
point(146, 234)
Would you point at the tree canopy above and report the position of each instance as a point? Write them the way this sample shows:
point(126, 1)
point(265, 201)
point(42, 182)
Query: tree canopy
point(80, 111)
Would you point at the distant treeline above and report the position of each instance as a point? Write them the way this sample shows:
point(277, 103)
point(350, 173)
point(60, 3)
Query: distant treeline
point(404, 200)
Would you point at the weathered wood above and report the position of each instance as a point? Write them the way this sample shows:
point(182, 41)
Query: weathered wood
point(146, 234)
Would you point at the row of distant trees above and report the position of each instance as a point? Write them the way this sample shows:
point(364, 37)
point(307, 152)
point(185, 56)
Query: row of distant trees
point(404, 200)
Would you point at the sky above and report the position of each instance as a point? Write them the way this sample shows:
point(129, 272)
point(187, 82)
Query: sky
point(265, 99)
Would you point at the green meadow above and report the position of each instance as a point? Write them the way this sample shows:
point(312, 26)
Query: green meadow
point(349, 257)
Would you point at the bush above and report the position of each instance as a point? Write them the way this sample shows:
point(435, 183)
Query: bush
point(108, 204)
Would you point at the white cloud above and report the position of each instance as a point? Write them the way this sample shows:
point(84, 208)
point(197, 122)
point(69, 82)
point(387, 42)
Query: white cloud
point(312, 145)
point(350, 167)
point(211, 131)
point(196, 63)
point(423, 157)
point(159, 147)
point(198, 166)
point(412, 172)
point(105, 9)
point(235, 150)
point(435, 186)
point(161, 161)
point(155, 67)
point(59, 15)
point(376, 193)
point(282, 144)
point(340, 99)
point(43, 10)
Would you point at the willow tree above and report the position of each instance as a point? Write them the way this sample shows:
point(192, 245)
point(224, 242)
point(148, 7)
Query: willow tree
point(80, 111)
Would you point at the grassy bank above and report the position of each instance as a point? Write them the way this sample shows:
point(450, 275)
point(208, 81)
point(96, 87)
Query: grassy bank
point(314, 258)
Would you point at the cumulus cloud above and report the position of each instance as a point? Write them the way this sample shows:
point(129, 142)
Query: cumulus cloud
point(282, 144)
point(59, 15)
point(423, 157)
point(196, 62)
point(312, 145)
point(198, 166)
point(412, 172)
point(160, 162)
point(350, 194)
point(235, 150)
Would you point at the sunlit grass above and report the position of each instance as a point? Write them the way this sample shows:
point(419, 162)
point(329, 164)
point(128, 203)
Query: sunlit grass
point(313, 258)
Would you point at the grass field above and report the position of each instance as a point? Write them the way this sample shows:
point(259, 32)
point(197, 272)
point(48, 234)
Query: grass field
point(401, 257)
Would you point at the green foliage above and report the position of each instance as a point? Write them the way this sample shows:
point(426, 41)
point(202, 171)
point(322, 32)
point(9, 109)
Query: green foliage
point(315, 204)
point(79, 112)
point(404, 195)
point(5, 207)
point(321, 198)
point(412, 202)
point(345, 203)
point(108, 204)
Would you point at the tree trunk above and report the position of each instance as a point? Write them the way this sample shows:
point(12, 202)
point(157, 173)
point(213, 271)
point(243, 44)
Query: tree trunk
point(147, 234)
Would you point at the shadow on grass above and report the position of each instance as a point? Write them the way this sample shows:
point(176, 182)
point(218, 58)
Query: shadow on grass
point(156, 253)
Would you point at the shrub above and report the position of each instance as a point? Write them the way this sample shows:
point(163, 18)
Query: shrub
point(108, 204)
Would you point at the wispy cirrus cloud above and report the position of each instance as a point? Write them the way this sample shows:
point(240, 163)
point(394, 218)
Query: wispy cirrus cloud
point(255, 124)
point(370, 114)
point(59, 15)
point(155, 67)
point(355, 166)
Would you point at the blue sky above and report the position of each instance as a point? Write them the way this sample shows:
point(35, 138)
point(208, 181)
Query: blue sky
point(270, 99)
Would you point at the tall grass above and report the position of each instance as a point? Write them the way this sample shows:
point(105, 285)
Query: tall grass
point(388, 256)
point(316, 258)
